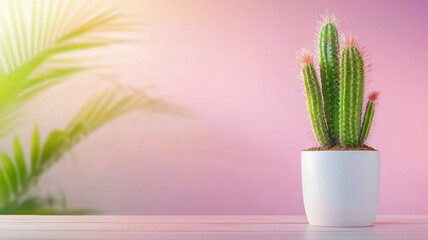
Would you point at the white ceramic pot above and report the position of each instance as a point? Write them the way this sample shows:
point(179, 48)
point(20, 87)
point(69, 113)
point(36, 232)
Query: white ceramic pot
point(341, 188)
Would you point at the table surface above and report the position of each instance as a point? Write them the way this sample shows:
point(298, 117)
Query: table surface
point(203, 228)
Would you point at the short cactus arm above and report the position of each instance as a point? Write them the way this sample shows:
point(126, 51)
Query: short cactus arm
point(315, 104)
point(329, 71)
point(368, 116)
point(367, 122)
point(351, 96)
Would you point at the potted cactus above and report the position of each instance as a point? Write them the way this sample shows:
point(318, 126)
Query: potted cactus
point(340, 177)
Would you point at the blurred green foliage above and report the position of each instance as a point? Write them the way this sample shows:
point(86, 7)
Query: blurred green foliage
point(36, 54)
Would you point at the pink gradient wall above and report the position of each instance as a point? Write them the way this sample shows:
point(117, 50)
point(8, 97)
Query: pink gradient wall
point(232, 63)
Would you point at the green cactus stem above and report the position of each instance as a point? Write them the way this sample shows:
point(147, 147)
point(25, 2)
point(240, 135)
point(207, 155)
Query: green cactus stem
point(330, 81)
point(314, 100)
point(368, 117)
point(351, 94)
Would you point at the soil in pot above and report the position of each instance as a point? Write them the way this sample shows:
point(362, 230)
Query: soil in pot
point(340, 148)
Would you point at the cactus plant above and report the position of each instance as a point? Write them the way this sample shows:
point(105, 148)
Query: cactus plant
point(335, 107)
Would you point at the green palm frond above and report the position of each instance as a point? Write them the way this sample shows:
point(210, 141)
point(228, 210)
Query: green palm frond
point(39, 42)
point(19, 173)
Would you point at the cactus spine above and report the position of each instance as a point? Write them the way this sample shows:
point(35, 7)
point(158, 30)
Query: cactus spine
point(335, 107)
point(314, 100)
point(329, 71)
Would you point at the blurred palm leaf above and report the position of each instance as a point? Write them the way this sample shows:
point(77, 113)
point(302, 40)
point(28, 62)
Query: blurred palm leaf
point(39, 40)
point(41, 206)
point(18, 173)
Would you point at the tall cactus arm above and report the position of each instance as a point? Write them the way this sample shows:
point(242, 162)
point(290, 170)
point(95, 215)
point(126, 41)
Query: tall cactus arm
point(368, 117)
point(351, 94)
point(314, 100)
point(329, 71)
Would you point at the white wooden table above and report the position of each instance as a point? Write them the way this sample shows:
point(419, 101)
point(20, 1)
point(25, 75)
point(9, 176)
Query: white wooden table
point(203, 228)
